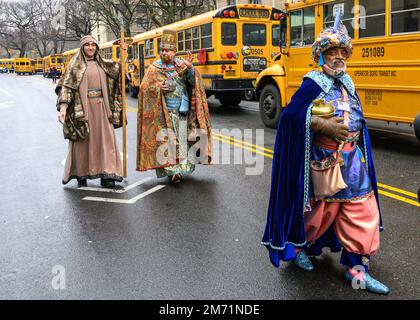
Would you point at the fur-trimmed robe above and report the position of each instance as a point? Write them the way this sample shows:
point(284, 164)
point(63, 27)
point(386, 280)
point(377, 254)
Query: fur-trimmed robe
point(153, 116)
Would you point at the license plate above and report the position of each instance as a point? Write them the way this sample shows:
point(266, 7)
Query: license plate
point(251, 64)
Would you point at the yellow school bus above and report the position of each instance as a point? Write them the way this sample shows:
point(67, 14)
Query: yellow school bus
point(67, 55)
point(8, 64)
point(39, 65)
point(24, 66)
point(230, 45)
point(385, 63)
point(111, 50)
point(50, 62)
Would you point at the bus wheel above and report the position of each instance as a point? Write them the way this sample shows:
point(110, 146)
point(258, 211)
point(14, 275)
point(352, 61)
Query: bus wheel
point(417, 126)
point(270, 109)
point(230, 99)
point(249, 95)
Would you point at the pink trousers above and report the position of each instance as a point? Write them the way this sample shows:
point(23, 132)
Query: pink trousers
point(356, 224)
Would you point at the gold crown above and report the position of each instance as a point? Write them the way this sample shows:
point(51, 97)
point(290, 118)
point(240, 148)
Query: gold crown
point(168, 39)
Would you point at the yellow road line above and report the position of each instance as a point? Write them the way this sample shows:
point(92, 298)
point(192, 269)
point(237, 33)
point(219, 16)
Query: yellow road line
point(131, 109)
point(244, 142)
point(394, 196)
point(407, 193)
point(254, 148)
point(243, 147)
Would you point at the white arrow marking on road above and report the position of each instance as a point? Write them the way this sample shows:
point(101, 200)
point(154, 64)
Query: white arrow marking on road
point(131, 186)
point(5, 92)
point(130, 201)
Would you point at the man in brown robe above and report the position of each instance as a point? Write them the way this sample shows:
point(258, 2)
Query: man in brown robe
point(89, 105)
point(173, 120)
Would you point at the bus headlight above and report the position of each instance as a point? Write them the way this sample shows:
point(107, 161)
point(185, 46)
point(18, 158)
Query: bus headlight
point(246, 50)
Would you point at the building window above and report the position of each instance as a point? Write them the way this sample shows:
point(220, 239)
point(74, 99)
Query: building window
point(254, 1)
point(405, 16)
point(372, 18)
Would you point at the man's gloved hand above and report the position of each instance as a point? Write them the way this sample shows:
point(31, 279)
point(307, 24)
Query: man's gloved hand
point(330, 127)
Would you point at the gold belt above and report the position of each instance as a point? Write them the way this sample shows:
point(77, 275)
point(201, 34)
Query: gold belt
point(94, 93)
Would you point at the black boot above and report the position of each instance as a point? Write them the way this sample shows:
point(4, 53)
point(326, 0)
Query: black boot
point(107, 183)
point(82, 183)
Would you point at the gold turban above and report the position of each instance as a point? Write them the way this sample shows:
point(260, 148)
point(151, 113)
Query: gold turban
point(168, 40)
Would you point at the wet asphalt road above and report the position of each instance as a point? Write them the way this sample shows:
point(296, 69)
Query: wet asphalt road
point(197, 240)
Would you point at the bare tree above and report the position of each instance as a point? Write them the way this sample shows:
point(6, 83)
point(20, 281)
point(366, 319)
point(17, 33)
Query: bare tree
point(163, 12)
point(79, 20)
point(108, 11)
point(145, 13)
point(18, 20)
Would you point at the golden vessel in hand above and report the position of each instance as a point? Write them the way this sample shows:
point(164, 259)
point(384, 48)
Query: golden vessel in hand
point(322, 109)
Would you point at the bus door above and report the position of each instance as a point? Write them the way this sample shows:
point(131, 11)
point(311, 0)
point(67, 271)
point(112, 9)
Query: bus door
point(274, 41)
point(254, 49)
point(141, 61)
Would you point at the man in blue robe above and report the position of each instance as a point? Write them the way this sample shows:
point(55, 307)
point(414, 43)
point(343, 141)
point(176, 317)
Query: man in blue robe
point(307, 212)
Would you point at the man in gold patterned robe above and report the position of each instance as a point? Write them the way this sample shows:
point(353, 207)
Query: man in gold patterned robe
point(173, 120)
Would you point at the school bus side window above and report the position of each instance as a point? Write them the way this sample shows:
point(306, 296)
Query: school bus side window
point(228, 34)
point(372, 18)
point(308, 26)
point(275, 35)
point(347, 18)
point(206, 36)
point(196, 38)
point(148, 48)
point(181, 41)
point(159, 40)
point(302, 27)
point(188, 39)
point(151, 48)
point(296, 28)
point(135, 51)
point(405, 16)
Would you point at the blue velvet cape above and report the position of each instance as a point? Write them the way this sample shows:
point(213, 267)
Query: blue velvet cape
point(290, 178)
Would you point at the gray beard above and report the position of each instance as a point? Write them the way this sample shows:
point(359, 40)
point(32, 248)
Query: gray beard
point(337, 69)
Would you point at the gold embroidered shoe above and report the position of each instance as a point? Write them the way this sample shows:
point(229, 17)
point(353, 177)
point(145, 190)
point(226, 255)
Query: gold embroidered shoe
point(176, 178)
